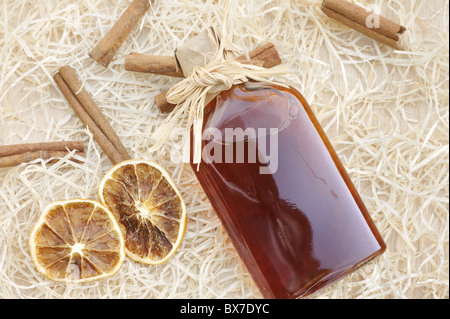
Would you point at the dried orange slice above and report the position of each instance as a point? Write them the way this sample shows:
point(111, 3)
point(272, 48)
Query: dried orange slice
point(149, 208)
point(77, 241)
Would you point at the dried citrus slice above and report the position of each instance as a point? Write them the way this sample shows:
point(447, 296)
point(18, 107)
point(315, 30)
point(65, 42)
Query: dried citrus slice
point(77, 241)
point(149, 208)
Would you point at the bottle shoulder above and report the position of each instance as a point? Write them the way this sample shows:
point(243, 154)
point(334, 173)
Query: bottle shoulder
point(253, 105)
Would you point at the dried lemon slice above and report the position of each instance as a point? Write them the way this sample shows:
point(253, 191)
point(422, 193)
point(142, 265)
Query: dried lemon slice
point(149, 208)
point(77, 241)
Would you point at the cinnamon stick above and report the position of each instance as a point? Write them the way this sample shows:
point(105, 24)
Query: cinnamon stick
point(266, 53)
point(163, 105)
point(15, 160)
point(167, 65)
point(18, 154)
point(14, 149)
point(90, 115)
point(156, 64)
point(366, 22)
point(105, 50)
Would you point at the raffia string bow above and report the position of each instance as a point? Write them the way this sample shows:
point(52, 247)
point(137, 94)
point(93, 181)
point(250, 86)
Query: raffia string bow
point(209, 66)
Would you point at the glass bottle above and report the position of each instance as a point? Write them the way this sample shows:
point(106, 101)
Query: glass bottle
point(281, 192)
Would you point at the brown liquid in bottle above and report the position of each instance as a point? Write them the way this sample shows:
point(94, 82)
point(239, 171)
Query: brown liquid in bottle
point(300, 227)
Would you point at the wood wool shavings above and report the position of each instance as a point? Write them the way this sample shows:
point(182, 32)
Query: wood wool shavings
point(386, 113)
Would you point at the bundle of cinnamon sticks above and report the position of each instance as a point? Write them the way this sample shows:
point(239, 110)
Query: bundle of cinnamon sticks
point(90, 114)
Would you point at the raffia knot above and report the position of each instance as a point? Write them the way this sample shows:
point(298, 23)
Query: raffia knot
point(214, 79)
point(201, 76)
